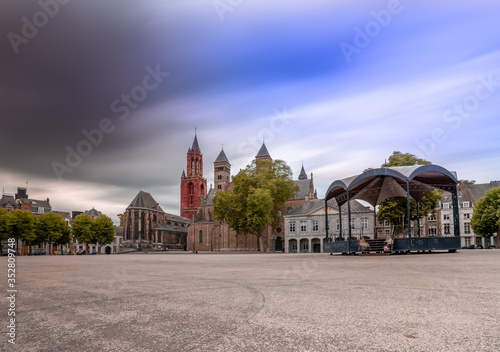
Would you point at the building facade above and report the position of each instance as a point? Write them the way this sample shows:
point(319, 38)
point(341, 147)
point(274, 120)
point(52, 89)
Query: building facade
point(147, 226)
point(208, 234)
point(305, 226)
point(193, 184)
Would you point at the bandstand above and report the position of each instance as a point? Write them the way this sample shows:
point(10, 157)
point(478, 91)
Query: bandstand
point(377, 185)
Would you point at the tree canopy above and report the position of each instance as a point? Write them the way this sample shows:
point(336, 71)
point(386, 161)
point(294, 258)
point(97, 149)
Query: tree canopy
point(104, 230)
point(88, 231)
point(21, 224)
point(394, 209)
point(486, 217)
point(51, 227)
point(82, 229)
point(259, 194)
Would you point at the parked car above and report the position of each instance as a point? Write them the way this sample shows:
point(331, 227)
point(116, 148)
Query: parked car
point(478, 246)
point(492, 247)
point(472, 246)
point(39, 251)
point(92, 253)
point(81, 252)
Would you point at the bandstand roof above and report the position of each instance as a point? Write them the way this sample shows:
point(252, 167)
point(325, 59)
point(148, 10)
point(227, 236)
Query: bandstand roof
point(377, 185)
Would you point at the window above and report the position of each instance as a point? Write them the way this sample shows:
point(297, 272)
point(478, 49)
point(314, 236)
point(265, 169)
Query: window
point(431, 217)
point(201, 236)
point(292, 226)
point(353, 224)
point(446, 205)
point(364, 223)
point(387, 232)
point(315, 226)
point(465, 204)
point(432, 230)
point(303, 226)
point(338, 225)
point(446, 217)
point(446, 229)
point(219, 186)
point(219, 177)
point(467, 227)
point(467, 241)
point(386, 223)
point(467, 216)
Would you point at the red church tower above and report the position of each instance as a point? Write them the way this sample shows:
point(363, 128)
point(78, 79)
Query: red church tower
point(193, 185)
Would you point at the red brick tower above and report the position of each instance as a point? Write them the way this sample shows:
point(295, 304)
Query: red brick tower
point(193, 185)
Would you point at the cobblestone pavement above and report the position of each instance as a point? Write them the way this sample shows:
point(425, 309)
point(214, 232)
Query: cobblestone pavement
point(256, 302)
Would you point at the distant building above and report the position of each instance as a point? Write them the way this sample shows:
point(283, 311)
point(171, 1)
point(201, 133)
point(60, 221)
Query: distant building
point(305, 226)
point(23, 202)
point(66, 215)
point(147, 226)
point(208, 234)
point(94, 214)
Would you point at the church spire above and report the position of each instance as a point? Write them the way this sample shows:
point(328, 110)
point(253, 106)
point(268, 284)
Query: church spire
point(303, 175)
point(263, 154)
point(195, 146)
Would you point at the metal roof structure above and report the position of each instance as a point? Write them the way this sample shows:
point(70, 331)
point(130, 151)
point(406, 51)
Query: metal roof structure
point(377, 185)
point(411, 182)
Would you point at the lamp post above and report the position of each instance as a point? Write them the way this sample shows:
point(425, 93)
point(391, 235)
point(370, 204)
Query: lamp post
point(274, 243)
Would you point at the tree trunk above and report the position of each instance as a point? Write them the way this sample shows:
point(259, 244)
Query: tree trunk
point(261, 243)
point(498, 239)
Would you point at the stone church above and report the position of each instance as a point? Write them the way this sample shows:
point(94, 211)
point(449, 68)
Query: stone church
point(208, 234)
point(147, 227)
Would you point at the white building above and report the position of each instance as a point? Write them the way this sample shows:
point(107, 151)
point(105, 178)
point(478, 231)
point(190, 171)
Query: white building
point(305, 225)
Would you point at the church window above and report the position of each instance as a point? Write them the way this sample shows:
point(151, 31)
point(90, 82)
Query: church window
point(219, 186)
point(136, 225)
point(219, 177)
point(196, 167)
point(201, 236)
point(143, 224)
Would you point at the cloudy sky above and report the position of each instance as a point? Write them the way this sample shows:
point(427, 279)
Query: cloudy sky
point(100, 98)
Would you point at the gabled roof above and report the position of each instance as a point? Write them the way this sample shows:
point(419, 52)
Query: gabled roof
point(304, 188)
point(145, 200)
point(222, 158)
point(37, 203)
point(6, 199)
point(263, 153)
point(477, 191)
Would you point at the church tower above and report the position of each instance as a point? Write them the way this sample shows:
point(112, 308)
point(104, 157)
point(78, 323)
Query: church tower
point(263, 154)
point(222, 172)
point(193, 185)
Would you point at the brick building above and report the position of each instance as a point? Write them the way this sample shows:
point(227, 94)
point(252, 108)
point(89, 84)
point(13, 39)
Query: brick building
point(208, 234)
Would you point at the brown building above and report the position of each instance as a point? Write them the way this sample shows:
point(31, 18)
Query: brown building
point(208, 234)
point(147, 226)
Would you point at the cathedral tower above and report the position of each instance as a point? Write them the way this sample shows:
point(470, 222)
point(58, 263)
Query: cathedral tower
point(193, 185)
point(222, 172)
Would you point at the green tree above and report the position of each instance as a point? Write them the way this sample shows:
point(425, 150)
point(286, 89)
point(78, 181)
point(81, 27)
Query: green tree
point(120, 216)
point(4, 226)
point(52, 228)
point(486, 217)
point(83, 230)
point(104, 231)
point(394, 209)
point(258, 196)
point(22, 224)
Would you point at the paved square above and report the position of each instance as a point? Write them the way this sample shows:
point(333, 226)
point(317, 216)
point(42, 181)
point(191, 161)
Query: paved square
point(256, 302)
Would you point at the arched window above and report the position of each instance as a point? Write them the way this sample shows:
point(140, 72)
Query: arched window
point(196, 167)
point(201, 236)
point(136, 225)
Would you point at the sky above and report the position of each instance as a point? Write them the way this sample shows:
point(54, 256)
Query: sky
point(100, 98)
